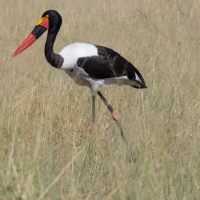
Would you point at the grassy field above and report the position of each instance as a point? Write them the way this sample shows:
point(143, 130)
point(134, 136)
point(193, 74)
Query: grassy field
point(46, 151)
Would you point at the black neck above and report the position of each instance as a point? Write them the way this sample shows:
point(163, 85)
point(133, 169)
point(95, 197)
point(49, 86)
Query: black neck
point(53, 59)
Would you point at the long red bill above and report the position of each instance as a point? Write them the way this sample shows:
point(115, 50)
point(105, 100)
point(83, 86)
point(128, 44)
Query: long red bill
point(27, 42)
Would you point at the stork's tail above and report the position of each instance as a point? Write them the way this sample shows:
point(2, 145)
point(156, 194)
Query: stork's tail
point(135, 76)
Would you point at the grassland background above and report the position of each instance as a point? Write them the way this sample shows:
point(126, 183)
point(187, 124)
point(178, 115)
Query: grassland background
point(46, 151)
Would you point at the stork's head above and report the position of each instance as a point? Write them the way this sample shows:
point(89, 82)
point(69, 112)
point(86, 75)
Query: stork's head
point(49, 20)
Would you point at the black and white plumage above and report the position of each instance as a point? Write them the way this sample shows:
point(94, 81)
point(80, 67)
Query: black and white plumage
point(87, 64)
point(97, 66)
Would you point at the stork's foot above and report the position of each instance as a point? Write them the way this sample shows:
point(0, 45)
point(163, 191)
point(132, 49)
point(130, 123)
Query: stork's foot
point(92, 127)
point(115, 115)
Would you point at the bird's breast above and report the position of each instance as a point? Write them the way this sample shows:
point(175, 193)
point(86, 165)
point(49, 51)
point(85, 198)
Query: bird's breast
point(79, 76)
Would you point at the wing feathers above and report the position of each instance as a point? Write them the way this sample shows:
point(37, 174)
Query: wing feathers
point(109, 64)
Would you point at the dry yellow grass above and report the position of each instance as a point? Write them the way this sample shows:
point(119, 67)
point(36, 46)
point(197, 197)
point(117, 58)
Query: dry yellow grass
point(46, 149)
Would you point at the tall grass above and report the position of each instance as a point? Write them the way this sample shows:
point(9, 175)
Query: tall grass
point(46, 149)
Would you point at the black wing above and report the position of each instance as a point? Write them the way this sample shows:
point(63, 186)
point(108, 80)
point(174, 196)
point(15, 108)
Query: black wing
point(107, 64)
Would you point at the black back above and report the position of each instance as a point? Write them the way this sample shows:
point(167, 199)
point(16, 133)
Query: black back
point(108, 64)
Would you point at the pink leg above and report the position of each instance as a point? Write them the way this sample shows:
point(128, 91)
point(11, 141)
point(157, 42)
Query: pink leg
point(115, 115)
point(92, 127)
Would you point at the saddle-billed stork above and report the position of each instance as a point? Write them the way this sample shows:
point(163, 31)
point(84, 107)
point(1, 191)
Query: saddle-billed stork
point(87, 64)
